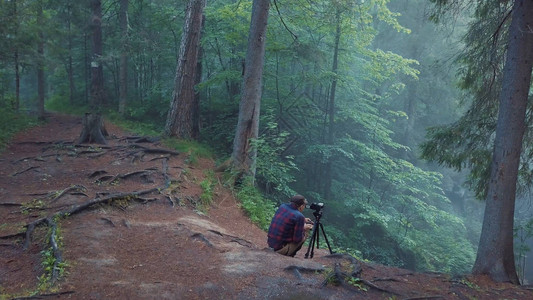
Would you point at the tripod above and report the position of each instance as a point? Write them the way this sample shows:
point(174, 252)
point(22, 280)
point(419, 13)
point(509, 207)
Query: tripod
point(315, 235)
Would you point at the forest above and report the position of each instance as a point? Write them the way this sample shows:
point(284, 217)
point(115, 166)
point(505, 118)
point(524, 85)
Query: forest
point(408, 119)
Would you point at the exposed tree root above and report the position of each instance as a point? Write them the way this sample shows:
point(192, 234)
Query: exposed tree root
point(43, 296)
point(55, 248)
point(426, 297)
point(202, 238)
point(154, 150)
point(79, 208)
point(235, 239)
point(355, 265)
point(25, 170)
point(73, 188)
point(141, 139)
point(116, 178)
point(340, 277)
point(10, 204)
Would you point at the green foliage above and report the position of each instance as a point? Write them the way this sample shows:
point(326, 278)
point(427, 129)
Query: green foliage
point(259, 209)
point(273, 169)
point(360, 157)
point(11, 123)
point(523, 231)
point(58, 103)
point(137, 127)
point(208, 186)
point(194, 149)
point(49, 260)
point(49, 263)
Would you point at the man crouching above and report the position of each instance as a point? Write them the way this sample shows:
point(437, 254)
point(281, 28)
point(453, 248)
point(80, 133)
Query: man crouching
point(288, 229)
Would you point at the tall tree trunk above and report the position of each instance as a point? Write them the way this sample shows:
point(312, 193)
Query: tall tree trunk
point(197, 80)
point(40, 63)
point(70, 68)
point(97, 97)
point(244, 156)
point(16, 105)
point(180, 118)
point(123, 72)
point(328, 177)
point(17, 81)
point(495, 256)
point(93, 130)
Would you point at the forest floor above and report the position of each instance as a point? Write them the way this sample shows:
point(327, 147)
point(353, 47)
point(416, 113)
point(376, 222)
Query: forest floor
point(134, 231)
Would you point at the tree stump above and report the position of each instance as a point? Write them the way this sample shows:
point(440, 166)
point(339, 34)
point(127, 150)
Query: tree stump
point(93, 130)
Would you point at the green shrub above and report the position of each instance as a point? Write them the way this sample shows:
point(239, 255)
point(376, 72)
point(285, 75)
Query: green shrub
point(12, 122)
point(259, 209)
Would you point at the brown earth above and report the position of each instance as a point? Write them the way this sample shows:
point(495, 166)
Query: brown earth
point(158, 245)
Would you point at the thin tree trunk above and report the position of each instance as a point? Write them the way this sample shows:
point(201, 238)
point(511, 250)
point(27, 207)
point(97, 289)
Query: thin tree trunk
point(495, 256)
point(244, 156)
point(196, 102)
point(180, 118)
point(40, 63)
point(123, 72)
point(70, 69)
point(328, 177)
point(17, 66)
point(17, 82)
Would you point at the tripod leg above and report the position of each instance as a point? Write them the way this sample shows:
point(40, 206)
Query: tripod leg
point(326, 238)
point(312, 241)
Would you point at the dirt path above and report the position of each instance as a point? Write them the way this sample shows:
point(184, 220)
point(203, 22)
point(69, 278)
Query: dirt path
point(158, 246)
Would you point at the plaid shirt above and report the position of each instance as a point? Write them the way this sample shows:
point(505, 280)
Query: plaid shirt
point(287, 227)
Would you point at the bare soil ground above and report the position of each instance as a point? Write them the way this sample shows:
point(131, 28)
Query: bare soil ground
point(147, 240)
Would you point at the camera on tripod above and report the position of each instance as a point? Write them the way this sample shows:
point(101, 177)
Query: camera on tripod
point(316, 206)
point(317, 226)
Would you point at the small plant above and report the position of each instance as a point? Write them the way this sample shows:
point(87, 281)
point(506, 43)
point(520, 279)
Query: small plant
point(469, 284)
point(208, 186)
point(53, 269)
point(357, 282)
point(34, 204)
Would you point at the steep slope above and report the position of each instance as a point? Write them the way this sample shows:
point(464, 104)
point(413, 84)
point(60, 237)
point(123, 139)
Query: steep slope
point(135, 231)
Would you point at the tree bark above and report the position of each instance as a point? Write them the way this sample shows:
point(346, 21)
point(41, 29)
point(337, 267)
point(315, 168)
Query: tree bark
point(97, 97)
point(93, 126)
point(244, 156)
point(93, 131)
point(123, 72)
point(495, 256)
point(16, 105)
point(40, 63)
point(180, 118)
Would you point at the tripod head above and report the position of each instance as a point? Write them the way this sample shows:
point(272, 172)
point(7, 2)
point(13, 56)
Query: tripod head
point(317, 207)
